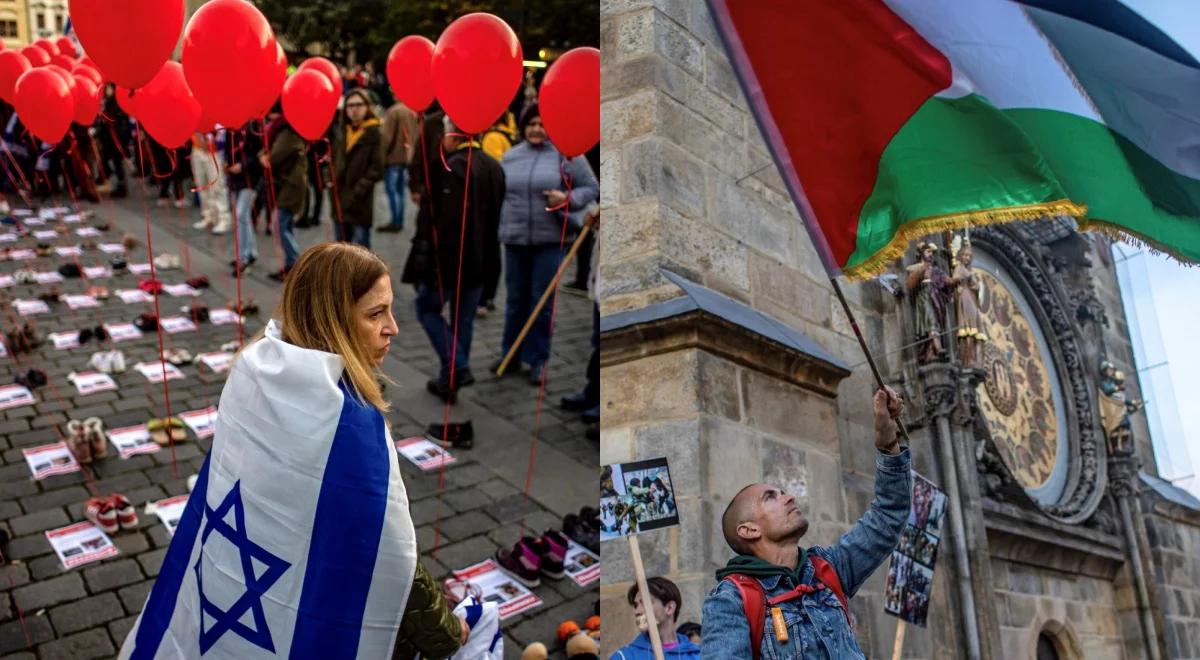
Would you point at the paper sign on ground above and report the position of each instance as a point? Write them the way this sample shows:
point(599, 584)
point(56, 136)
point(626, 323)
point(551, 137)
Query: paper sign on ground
point(22, 254)
point(72, 218)
point(45, 234)
point(153, 371)
point(581, 565)
point(7, 281)
point(96, 272)
point(424, 453)
point(170, 510)
point(139, 269)
point(91, 382)
point(64, 340)
point(56, 210)
point(34, 222)
point(223, 317)
point(31, 307)
point(3, 350)
point(181, 290)
point(499, 587)
point(174, 324)
point(87, 231)
point(636, 497)
point(81, 543)
point(112, 248)
point(69, 251)
point(22, 213)
point(217, 362)
point(132, 296)
point(202, 422)
point(50, 277)
point(15, 396)
point(9, 238)
point(50, 459)
point(132, 440)
point(122, 331)
point(45, 214)
point(79, 301)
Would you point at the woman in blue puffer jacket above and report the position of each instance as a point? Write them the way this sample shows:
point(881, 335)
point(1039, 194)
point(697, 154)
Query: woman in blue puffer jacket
point(532, 235)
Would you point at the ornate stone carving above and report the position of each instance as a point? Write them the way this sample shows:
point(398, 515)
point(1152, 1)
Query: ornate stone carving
point(1123, 476)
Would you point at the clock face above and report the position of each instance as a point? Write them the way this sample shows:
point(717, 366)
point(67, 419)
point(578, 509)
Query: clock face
point(1020, 396)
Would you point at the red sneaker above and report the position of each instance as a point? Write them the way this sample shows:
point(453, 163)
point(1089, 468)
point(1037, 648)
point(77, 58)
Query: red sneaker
point(126, 512)
point(100, 511)
point(522, 562)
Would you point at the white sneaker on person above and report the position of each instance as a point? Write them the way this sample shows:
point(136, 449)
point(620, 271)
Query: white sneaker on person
point(222, 228)
point(203, 224)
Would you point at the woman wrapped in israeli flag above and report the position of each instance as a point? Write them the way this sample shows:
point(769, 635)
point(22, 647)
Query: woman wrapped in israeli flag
point(297, 539)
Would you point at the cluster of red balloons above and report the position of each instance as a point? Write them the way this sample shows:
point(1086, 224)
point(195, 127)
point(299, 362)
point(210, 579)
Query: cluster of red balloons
point(475, 69)
point(49, 87)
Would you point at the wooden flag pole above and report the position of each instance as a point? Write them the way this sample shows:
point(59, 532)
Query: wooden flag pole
point(635, 553)
point(862, 342)
point(562, 268)
point(898, 647)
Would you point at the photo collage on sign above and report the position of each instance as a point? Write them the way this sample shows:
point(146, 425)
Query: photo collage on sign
point(910, 576)
point(636, 497)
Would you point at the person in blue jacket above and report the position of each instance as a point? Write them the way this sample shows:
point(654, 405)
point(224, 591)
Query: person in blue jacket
point(666, 602)
point(537, 210)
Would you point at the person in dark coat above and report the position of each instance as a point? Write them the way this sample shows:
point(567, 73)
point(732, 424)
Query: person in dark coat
point(436, 271)
point(112, 132)
point(243, 172)
point(358, 166)
point(284, 154)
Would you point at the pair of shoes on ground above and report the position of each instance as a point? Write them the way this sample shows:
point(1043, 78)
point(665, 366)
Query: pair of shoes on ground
point(86, 440)
point(178, 356)
point(32, 379)
point(23, 339)
point(584, 528)
point(111, 513)
point(108, 362)
point(163, 431)
point(460, 435)
point(168, 261)
point(87, 334)
point(532, 558)
point(440, 387)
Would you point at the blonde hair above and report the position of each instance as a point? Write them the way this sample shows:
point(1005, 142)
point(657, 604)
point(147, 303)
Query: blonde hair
point(317, 309)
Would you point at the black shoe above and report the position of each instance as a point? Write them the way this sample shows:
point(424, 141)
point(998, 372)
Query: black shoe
point(576, 287)
point(514, 367)
point(279, 275)
point(441, 389)
point(460, 436)
point(593, 432)
point(390, 229)
point(304, 223)
point(591, 415)
point(577, 402)
point(120, 193)
point(248, 262)
point(536, 373)
point(463, 378)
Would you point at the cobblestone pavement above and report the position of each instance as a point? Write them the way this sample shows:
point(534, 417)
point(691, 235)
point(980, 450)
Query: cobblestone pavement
point(87, 611)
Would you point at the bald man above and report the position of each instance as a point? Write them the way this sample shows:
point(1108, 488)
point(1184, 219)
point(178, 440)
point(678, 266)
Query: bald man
point(802, 593)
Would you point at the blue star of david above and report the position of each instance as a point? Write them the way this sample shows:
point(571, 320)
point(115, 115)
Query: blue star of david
point(227, 620)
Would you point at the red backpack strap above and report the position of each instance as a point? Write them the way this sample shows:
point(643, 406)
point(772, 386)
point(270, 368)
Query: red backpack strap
point(824, 573)
point(754, 603)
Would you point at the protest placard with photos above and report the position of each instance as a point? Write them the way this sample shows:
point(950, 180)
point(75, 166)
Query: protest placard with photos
point(51, 459)
point(910, 576)
point(132, 440)
point(636, 497)
point(81, 543)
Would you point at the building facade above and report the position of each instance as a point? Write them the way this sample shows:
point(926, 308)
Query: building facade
point(724, 350)
point(14, 24)
point(47, 18)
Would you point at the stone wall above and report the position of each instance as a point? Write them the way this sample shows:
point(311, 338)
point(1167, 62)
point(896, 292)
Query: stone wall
point(1174, 536)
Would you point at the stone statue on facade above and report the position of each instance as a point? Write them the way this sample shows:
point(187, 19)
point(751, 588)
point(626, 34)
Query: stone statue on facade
point(929, 286)
point(966, 285)
point(1115, 410)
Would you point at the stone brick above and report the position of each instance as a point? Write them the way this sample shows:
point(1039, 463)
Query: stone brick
point(13, 575)
point(50, 420)
point(152, 561)
point(84, 646)
point(49, 592)
point(28, 546)
point(45, 566)
point(120, 628)
point(721, 262)
point(55, 498)
point(13, 633)
point(134, 596)
point(86, 613)
point(464, 553)
point(39, 521)
point(112, 575)
point(678, 442)
point(463, 525)
point(13, 426)
point(655, 387)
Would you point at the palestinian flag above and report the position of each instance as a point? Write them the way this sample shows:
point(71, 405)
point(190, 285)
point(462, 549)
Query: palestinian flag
point(893, 119)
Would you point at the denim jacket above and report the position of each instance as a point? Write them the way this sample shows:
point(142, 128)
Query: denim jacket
point(817, 626)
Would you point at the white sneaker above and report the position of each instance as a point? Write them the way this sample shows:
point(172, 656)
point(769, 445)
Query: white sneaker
point(102, 361)
point(222, 228)
point(203, 224)
point(180, 204)
point(117, 364)
point(4, 208)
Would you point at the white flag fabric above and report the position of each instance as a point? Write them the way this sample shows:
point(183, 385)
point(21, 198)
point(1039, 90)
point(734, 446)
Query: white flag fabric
point(486, 641)
point(297, 539)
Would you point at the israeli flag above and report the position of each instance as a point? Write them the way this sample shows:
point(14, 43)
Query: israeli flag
point(297, 540)
point(486, 641)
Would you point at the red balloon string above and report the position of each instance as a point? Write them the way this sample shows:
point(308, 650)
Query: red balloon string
point(327, 158)
point(237, 248)
point(212, 152)
point(455, 312)
point(158, 316)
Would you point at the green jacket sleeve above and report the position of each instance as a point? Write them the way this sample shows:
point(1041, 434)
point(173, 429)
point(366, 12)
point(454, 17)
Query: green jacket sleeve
point(429, 626)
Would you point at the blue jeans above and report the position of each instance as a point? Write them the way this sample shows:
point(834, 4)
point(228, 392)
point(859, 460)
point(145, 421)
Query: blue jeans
point(359, 234)
point(528, 270)
point(287, 236)
point(430, 315)
point(247, 245)
point(395, 180)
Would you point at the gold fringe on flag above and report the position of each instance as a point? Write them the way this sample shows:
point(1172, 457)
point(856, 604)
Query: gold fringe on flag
point(914, 229)
point(1118, 233)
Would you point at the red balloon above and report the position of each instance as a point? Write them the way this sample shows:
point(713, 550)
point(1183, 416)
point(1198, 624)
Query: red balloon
point(409, 72)
point(127, 100)
point(12, 65)
point(309, 103)
point(62, 60)
point(67, 78)
point(274, 85)
point(476, 70)
point(36, 56)
point(229, 57)
point(44, 103)
point(87, 101)
point(570, 101)
point(66, 46)
point(129, 44)
point(326, 68)
point(206, 124)
point(49, 46)
point(88, 72)
point(167, 108)
point(89, 61)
